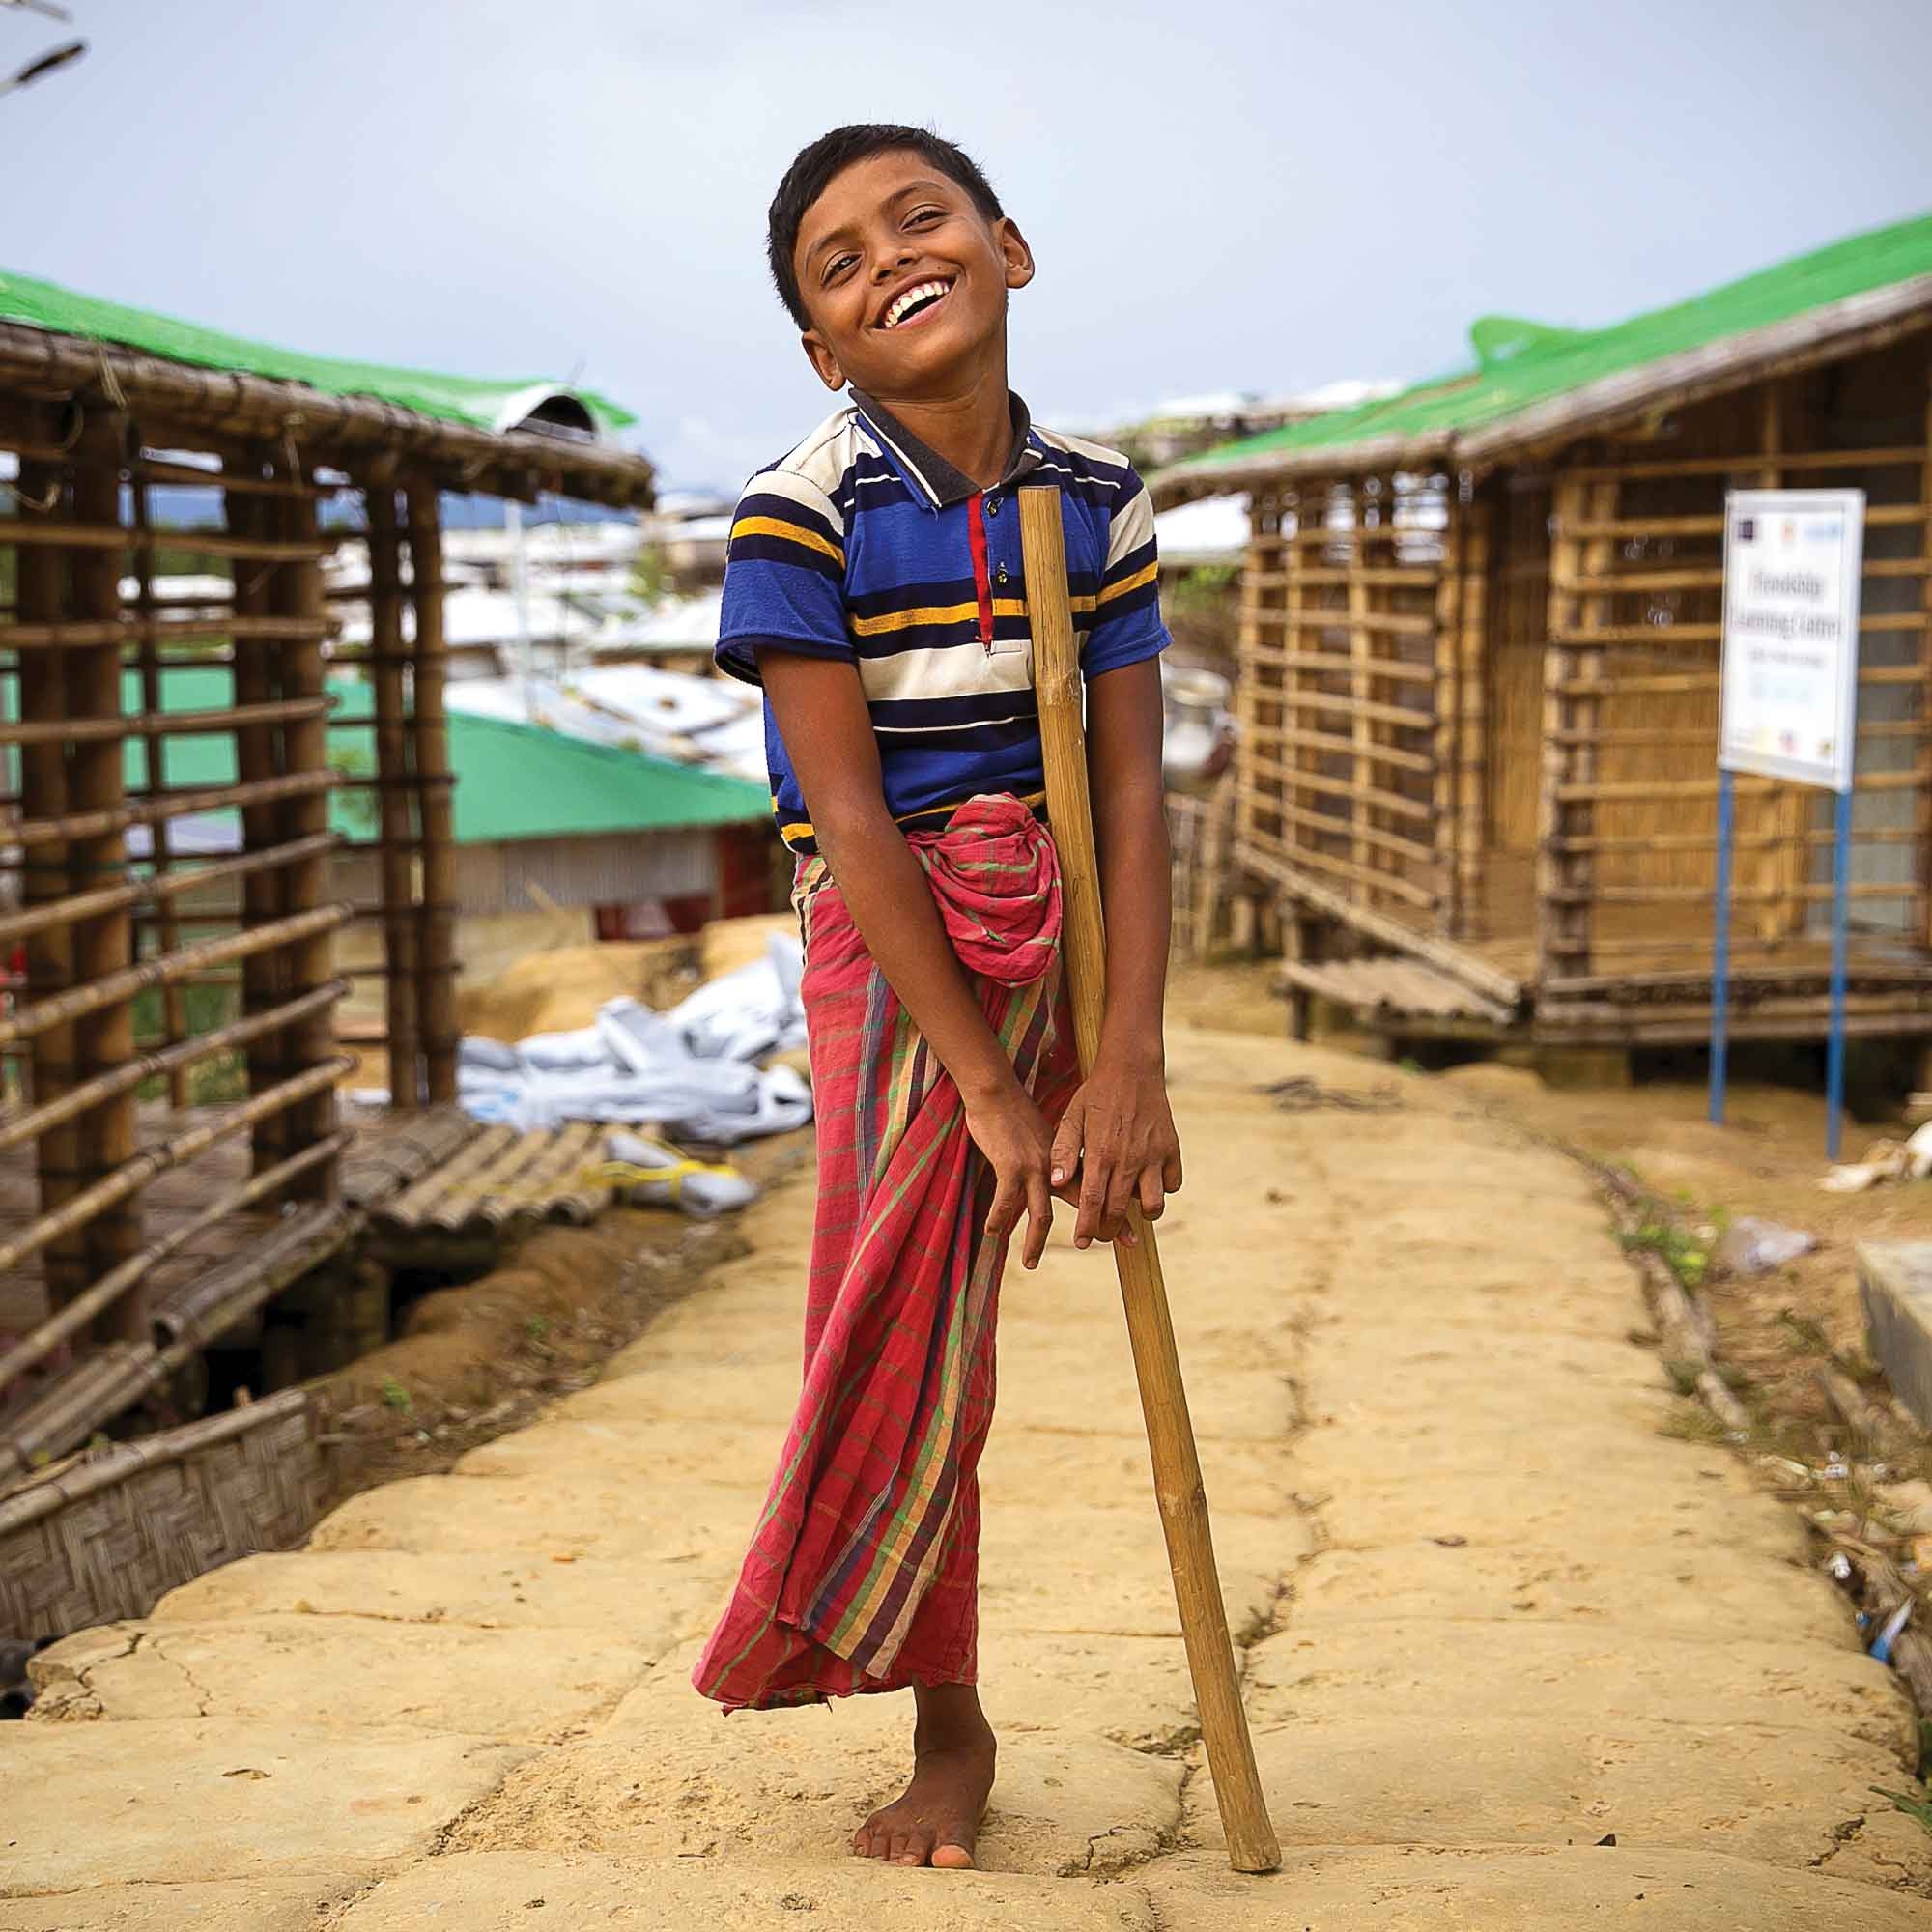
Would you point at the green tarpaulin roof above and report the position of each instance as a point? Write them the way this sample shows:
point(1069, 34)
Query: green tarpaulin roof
point(512, 781)
point(1521, 365)
point(463, 399)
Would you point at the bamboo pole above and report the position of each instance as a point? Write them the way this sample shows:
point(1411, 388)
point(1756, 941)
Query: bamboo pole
point(103, 945)
point(1472, 652)
point(297, 593)
point(1922, 934)
point(153, 722)
point(1444, 670)
point(36, 1347)
point(154, 1066)
point(157, 890)
point(1176, 1467)
point(35, 832)
point(1362, 692)
point(92, 530)
point(72, 634)
point(25, 1022)
point(95, 1203)
point(435, 958)
point(44, 794)
point(151, 725)
point(264, 980)
point(403, 990)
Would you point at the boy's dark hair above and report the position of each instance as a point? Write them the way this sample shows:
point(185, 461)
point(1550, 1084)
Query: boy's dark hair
point(806, 180)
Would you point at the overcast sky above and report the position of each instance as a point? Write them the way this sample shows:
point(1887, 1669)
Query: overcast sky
point(1222, 194)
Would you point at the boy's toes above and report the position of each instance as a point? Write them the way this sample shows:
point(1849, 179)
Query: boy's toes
point(909, 1848)
point(952, 1858)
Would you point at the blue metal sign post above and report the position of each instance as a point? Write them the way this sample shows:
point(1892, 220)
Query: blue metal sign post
point(1835, 1039)
point(1789, 684)
point(1720, 950)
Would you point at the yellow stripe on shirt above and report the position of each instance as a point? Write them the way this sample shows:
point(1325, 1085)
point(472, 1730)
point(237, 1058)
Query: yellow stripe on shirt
point(774, 527)
point(1033, 800)
point(1145, 575)
point(948, 613)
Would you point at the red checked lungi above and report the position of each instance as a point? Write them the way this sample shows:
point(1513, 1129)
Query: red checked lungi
point(863, 1572)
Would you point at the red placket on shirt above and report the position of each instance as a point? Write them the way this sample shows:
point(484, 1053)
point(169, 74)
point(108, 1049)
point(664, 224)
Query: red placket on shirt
point(982, 582)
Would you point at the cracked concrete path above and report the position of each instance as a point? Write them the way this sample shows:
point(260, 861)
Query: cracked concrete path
point(1513, 1658)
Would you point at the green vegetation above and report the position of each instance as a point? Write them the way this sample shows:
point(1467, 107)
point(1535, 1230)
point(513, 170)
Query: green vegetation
point(1683, 1253)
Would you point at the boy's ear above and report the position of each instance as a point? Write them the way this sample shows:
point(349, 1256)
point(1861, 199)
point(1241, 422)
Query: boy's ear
point(1016, 254)
point(818, 352)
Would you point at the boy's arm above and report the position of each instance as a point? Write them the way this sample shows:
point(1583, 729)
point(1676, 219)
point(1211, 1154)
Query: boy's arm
point(1118, 1126)
point(820, 710)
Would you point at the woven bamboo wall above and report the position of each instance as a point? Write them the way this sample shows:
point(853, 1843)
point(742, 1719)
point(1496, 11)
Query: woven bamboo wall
point(109, 1535)
point(1348, 762)
point(1627, 821)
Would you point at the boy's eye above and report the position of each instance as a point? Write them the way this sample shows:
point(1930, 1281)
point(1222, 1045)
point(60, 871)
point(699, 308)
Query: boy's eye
point(925, 214)
point(836, 267)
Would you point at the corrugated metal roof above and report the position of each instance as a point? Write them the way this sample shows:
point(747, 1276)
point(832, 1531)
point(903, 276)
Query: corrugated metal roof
point(514, 780)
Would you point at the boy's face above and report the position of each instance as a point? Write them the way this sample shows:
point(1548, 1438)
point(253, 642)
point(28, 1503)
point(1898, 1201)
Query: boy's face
point(904, 279)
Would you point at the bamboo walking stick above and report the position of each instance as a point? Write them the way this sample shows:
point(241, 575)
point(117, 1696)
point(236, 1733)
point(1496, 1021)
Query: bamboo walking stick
point(1176, 1467)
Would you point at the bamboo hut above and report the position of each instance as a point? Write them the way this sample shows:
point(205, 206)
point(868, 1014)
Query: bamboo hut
point(1478, 670)
point(136, 451)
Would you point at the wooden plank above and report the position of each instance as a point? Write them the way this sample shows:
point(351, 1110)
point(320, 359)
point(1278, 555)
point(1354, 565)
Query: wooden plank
point(1391, 987)
point(1455, 960)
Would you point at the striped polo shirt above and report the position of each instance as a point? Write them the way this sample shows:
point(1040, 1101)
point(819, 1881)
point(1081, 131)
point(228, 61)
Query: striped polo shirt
point(865, 546)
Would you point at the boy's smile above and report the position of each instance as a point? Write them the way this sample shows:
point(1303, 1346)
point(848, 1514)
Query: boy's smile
point(904, 279)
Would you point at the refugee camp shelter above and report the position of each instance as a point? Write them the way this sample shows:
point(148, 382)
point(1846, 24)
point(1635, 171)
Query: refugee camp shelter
point(1479, 657)
point(138, 451)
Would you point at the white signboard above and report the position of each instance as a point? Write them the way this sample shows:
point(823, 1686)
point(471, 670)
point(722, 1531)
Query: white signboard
point(1790, 677)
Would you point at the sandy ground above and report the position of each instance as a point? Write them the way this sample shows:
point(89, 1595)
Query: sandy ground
point(1514, 1658)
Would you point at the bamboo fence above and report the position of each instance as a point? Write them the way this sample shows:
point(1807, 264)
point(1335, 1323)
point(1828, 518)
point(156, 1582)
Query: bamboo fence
point(134, 964)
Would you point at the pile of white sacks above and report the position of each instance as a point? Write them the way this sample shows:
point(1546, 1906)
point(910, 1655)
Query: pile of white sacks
point(691, 1072)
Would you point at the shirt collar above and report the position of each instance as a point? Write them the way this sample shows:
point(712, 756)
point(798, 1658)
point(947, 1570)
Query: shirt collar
point(935, 480)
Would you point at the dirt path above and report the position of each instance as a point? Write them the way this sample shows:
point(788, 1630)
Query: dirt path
point(1491, 1617)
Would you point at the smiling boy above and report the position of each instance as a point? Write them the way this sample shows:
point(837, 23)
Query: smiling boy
point(876, 590)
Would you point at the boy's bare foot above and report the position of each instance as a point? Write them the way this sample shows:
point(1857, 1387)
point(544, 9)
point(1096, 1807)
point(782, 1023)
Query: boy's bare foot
point(937, 1821)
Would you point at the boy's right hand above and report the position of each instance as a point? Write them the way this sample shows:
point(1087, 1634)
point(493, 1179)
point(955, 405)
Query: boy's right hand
point(1012, 1132)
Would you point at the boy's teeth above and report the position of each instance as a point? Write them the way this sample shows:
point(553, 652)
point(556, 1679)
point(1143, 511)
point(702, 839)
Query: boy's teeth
point(924, 292)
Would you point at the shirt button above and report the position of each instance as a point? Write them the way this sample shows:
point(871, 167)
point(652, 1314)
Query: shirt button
point(992, 507)
point(1002, 573)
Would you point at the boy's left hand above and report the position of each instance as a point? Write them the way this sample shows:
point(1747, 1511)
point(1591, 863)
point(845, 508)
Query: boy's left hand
point(1115, 1145)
